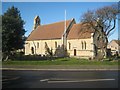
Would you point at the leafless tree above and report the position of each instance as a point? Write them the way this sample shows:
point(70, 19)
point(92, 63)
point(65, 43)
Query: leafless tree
point(103, 22)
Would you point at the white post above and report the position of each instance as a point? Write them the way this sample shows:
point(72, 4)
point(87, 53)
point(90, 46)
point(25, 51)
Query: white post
point(65, 20)
point(64, 37)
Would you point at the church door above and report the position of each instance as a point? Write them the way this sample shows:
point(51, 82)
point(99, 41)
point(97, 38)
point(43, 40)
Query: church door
point(74, 52)
point(32, 50)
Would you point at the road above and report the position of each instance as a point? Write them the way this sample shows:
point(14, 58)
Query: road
point(59, 79)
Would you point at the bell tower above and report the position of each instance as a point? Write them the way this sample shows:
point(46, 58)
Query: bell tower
point(36, 22)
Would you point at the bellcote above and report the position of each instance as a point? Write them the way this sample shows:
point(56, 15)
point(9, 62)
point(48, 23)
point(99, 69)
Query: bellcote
point(36, 22)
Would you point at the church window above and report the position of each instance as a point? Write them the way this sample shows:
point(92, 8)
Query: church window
point(69, 45)
point(38, 45)
point(55, 44)
point(46, 45)
point(85, 44)
point(82, 45)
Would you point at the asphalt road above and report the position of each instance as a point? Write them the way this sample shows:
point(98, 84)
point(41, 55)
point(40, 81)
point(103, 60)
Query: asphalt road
point(59, 79)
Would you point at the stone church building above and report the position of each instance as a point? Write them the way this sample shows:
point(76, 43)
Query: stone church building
point(59, 37)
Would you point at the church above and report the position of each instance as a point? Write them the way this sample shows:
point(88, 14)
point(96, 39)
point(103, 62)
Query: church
point(60, 37)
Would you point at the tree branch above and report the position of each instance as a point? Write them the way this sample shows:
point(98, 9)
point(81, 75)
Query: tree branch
point(108, 26)
point(111, 28)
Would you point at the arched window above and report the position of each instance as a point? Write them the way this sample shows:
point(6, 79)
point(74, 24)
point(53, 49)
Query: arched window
point(85, 44)
point(38, 45)
point(55, 44)
point(69, 45)
point(82, 45)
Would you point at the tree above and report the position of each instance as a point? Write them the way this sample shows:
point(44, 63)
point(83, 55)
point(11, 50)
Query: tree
point(0, 37)
point(103, 21)
point(48, 51)
point(12, 32)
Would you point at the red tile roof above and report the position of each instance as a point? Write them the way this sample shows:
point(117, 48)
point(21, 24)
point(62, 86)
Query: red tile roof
point(77, 32)
point(50, 31)
point(56, 30)
point(117, 41)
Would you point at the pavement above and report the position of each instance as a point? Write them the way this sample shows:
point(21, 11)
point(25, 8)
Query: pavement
point(61, 67)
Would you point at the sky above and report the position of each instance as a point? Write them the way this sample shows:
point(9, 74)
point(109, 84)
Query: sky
point(51, 12)
point(60, 0)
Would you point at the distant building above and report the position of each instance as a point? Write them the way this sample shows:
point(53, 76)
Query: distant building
point(62, 36)
point(114, 45)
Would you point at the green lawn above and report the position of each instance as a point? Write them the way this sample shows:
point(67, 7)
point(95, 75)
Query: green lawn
point(62, 61)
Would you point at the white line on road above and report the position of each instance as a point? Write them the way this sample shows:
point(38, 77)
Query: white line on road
point(43, 80)
point(10, 79)
point(69, 81)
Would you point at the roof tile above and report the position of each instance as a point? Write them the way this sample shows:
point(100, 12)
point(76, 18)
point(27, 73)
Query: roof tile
point(55, 31)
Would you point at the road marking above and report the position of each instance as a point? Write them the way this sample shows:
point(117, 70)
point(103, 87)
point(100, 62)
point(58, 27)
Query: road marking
point(100, 80)
point(72, 81)
point(43, 80)
point(10, 79)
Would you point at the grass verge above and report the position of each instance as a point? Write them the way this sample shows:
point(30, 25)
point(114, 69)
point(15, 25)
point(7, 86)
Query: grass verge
point(61, 61)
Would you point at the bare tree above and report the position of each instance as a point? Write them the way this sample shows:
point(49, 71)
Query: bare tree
point(103, 22)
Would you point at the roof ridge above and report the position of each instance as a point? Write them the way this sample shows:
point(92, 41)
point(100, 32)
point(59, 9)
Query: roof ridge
point(55, 22)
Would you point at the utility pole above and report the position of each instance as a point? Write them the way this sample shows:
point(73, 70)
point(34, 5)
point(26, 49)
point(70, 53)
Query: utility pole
point(118, 26)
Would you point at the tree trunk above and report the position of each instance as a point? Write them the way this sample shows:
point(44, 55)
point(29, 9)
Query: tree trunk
point(104, 46)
